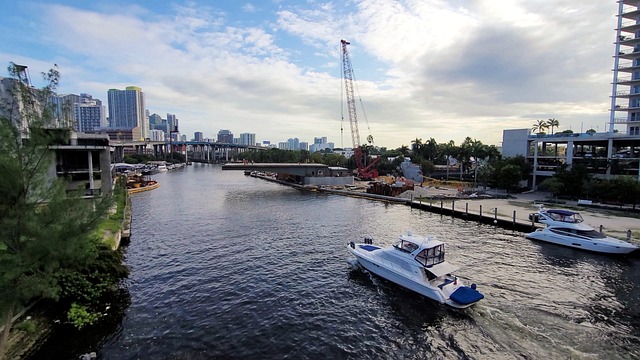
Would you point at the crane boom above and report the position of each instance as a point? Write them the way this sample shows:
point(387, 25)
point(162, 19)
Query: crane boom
point(363, 171)
point(351, 100)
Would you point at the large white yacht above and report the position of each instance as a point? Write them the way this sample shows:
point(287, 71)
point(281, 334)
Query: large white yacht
point(566, 227)
point(417, 263)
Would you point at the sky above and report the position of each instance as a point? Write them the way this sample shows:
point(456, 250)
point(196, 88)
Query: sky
point(442, 69)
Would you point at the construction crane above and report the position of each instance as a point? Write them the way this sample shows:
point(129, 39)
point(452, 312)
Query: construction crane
point(364, 172)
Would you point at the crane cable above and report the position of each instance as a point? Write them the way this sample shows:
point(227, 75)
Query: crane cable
point(369, 137)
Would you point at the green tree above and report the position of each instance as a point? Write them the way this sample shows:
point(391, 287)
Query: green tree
point(43, 229)
point(553, 185)
point(540, 126)
point(509, 177)
point(552, 123)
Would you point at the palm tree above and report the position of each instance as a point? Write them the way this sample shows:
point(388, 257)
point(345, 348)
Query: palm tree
point(430, 149)
point(539, 126)
point(416, 147)
point(553, 123)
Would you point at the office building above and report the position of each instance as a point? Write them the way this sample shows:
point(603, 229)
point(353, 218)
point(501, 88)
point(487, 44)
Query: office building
point(198, 136)
point(156, 122)
point(248, 139)
point(225, 136)
point(172, 123)
point(127, 110)
point(89, 114)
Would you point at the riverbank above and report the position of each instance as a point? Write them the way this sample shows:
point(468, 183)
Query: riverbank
point(512, 211)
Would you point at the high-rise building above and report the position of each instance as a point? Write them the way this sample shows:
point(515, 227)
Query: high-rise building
point(172, 123)
point(293, 144)
point(320, 140)
point(198, 136)
point(155, 122)
point(225, 136)
point(248, 139)
point(89, 114)
point(126, 109)
point(626, 61)
point(156, 135)
point(304, 145)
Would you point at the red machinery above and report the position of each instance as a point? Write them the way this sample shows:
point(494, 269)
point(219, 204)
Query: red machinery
point(364, 172)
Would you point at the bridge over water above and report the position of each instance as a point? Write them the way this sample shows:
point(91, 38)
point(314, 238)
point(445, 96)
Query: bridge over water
point(198, 151)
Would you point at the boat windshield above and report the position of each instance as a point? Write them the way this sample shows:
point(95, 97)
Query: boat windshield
point(431, 256)
point(405, 246)
point(591, 234)
point(565, 216)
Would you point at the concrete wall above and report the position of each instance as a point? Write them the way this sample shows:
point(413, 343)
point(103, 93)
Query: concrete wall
point(514, 142)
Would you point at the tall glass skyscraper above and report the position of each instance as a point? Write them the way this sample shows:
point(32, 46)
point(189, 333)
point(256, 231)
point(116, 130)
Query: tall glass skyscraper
point(126, 109)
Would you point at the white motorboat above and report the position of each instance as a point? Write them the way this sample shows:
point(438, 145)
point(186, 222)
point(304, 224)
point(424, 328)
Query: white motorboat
point(566, 227)
point(417, 263)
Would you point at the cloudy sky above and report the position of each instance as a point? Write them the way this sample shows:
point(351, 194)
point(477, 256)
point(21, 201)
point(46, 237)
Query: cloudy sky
point(443, 69)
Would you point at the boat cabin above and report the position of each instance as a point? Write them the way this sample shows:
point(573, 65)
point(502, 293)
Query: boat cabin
point(564, 216)
point(431, 256)
point(406, 245)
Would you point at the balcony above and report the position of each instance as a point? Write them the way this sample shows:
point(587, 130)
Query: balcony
point(632, 13)
point(628, 67)
point(627, 95)
point(633, 3)
point(629, 54)
point(628, 81)
point(624, 120)
point(630, 27)
point(628, 41)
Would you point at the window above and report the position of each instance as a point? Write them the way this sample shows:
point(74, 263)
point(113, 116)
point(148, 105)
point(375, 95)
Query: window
point(432, 256)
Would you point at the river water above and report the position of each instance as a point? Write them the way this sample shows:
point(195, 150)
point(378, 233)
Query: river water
point(226, 266)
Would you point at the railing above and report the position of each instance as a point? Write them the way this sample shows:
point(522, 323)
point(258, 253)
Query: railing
point(623, 120)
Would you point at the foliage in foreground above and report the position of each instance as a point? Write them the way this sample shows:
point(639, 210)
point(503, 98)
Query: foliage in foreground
point(44, 229)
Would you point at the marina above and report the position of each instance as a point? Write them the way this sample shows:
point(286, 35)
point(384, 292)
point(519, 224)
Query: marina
point(290, 292)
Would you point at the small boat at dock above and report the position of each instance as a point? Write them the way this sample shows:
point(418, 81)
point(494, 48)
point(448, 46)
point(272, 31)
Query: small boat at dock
point(417, 263)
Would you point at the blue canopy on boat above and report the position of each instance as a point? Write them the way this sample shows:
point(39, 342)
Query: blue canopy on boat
point(465, 295)
point(562, 212)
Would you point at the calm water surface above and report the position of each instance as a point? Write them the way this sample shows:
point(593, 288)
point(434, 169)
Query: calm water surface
point(231, 267)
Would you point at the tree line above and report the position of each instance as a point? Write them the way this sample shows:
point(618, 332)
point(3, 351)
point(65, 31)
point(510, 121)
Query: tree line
point(478, 162)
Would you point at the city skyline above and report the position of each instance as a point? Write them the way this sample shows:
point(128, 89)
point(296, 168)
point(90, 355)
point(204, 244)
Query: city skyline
point(424, 69)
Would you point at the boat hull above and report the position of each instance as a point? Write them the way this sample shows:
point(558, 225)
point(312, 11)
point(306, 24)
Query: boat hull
point(611, 246)
point(410, 279)
point(401, 280)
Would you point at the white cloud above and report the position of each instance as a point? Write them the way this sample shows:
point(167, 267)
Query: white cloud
point(426, 68)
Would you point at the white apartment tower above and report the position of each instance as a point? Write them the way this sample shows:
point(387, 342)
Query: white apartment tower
point(625, 102)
